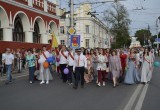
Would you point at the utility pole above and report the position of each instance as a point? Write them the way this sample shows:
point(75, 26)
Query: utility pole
point(157, 32)
point(72, 12)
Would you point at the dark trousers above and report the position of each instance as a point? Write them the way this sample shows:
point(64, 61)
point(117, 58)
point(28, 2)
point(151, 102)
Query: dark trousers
point(31, 73)
point(64, 76)
point(79, 74)
point(70, 73)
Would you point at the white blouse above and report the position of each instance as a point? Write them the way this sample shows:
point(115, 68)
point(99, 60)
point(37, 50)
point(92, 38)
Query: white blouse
point(101, 62)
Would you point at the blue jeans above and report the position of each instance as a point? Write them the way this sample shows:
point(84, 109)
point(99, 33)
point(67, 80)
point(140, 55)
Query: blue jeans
point(31, 73)
point(8, 68)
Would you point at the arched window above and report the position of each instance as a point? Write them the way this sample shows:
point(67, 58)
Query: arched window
point(36, 33)
point(18, 34)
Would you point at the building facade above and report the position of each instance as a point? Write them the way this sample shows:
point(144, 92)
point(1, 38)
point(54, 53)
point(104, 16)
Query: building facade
point(93, 32)
point(27, 23)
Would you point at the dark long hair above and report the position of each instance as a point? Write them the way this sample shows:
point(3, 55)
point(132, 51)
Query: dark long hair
point(145, 52)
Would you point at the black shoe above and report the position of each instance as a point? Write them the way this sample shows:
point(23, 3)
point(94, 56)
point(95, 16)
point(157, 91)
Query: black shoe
point(114, 86)
point(7, 83)
point(82, 86)
point(74, 87)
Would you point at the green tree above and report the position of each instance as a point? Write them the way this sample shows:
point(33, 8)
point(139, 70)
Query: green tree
point(143, 36)
point(118, 19)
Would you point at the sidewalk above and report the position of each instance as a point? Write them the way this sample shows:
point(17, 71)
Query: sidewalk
point(15, 75)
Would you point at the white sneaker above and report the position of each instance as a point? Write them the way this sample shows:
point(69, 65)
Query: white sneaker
point(30, 82)
point(99, 84)
point(42, 82)
point(47, 82)
point(104, 83)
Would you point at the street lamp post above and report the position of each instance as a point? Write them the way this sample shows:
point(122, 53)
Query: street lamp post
point(158, 19)
point(94, 39)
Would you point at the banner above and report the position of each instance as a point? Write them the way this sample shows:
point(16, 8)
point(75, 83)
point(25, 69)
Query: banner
point(157, 39)
point(75, 41)
point(54, 41)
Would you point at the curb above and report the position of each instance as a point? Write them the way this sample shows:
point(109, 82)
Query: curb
point(14, 77)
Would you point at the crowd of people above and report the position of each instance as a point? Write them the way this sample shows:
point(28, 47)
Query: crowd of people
point(130, 66)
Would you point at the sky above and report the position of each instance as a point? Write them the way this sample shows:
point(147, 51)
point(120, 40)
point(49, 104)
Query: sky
point(141, 12)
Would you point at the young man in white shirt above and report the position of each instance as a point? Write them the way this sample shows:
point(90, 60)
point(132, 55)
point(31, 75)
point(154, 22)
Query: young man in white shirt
point(80, 63)
point(70, 65)
point(8, 59)
point(63, 54)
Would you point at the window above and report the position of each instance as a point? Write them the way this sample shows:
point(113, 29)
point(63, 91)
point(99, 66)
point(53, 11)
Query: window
point(36, 33)
point(62, 29)
point(87, 43)
point(87, 29)
point(1, 34)
point(18, 34)
point(62, 42)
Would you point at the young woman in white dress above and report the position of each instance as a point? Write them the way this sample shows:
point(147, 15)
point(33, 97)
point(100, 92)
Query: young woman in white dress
point(146, 67)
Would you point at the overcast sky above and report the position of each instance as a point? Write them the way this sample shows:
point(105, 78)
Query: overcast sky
point(150, 11)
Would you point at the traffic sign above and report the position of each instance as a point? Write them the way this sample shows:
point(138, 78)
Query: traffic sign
point(71, 30)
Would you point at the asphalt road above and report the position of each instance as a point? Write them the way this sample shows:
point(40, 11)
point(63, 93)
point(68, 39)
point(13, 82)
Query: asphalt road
point(152, 98)
point(20, 95)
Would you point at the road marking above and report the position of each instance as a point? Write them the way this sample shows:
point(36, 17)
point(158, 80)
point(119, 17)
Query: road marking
point(141, 98)
point(133, 98)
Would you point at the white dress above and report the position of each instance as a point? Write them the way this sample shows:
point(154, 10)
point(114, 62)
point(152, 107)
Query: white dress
point(43, 74)
point(146, 69)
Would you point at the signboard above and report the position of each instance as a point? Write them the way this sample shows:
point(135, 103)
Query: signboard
point(157, 39)
point(71, 30)
point(75, 41)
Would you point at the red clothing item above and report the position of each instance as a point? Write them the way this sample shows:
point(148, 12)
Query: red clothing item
point(123, 58)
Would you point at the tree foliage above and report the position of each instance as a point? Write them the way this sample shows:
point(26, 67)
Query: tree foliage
point(118, 19)
point(143, 36)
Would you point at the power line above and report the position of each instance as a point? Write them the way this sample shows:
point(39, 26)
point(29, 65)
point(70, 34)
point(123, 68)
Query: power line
point(100, 2)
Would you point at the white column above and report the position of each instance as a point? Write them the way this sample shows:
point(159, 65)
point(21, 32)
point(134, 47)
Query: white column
point(29, 36)
point(45, 6)
point(7, 34)
point(44, 38)
point(30, 3)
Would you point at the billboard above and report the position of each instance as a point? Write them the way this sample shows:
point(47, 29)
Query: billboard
point(157, 39)
point(75, 41)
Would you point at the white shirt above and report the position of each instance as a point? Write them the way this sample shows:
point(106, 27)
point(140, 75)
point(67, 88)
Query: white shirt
point(47, 54)
point(70, 60)
point(8, 59)
point(63, 60)
point(3, 56)
point(101, 62)
point(42, 59)
point(80, 61)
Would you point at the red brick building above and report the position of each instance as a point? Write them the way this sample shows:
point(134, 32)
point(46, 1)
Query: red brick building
point(26, 23)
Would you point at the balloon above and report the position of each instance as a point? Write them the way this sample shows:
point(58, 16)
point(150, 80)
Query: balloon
point(45, 65)
point(156, 64)
point(57, 59)
point(66, 71)
point(50, 59)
